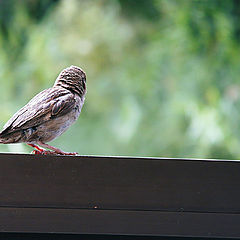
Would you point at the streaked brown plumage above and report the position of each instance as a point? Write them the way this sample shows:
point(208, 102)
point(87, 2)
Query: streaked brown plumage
point(49, 113)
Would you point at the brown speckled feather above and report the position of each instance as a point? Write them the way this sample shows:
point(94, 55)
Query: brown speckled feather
point(55, 102)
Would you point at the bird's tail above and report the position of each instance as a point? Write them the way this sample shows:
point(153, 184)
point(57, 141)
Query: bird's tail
point(13, 137)
point(3, 141)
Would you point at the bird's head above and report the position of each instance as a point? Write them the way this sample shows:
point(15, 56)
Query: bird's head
point(72, 78)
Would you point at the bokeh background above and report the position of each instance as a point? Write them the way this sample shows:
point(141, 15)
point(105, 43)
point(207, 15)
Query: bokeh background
point(163, 75)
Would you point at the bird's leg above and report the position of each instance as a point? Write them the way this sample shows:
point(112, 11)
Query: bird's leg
point(56, 150)
point(38, 149)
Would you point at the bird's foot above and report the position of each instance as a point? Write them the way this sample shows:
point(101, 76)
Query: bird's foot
point(46, 152)
point(43, 152)
point(55, 151)
point(66, 153)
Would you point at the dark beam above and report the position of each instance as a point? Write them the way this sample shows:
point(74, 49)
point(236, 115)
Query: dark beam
point(113, 195)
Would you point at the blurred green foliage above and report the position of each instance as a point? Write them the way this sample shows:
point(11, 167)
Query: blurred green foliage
point(163, 75)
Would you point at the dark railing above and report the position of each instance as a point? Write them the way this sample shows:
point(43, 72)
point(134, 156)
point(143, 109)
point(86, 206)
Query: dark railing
point(119, 196)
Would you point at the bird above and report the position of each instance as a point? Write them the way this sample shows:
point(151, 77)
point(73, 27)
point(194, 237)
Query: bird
point(49, 114)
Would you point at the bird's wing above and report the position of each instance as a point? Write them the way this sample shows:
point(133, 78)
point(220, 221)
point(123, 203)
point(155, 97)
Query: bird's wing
point(48, 104)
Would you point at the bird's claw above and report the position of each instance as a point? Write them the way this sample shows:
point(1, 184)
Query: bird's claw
point(68, 153)
point(36, 152)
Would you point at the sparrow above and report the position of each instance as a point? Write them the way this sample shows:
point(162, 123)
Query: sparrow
point(49, 114)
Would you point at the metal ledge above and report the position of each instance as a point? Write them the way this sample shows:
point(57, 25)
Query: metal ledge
point(121, 196)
